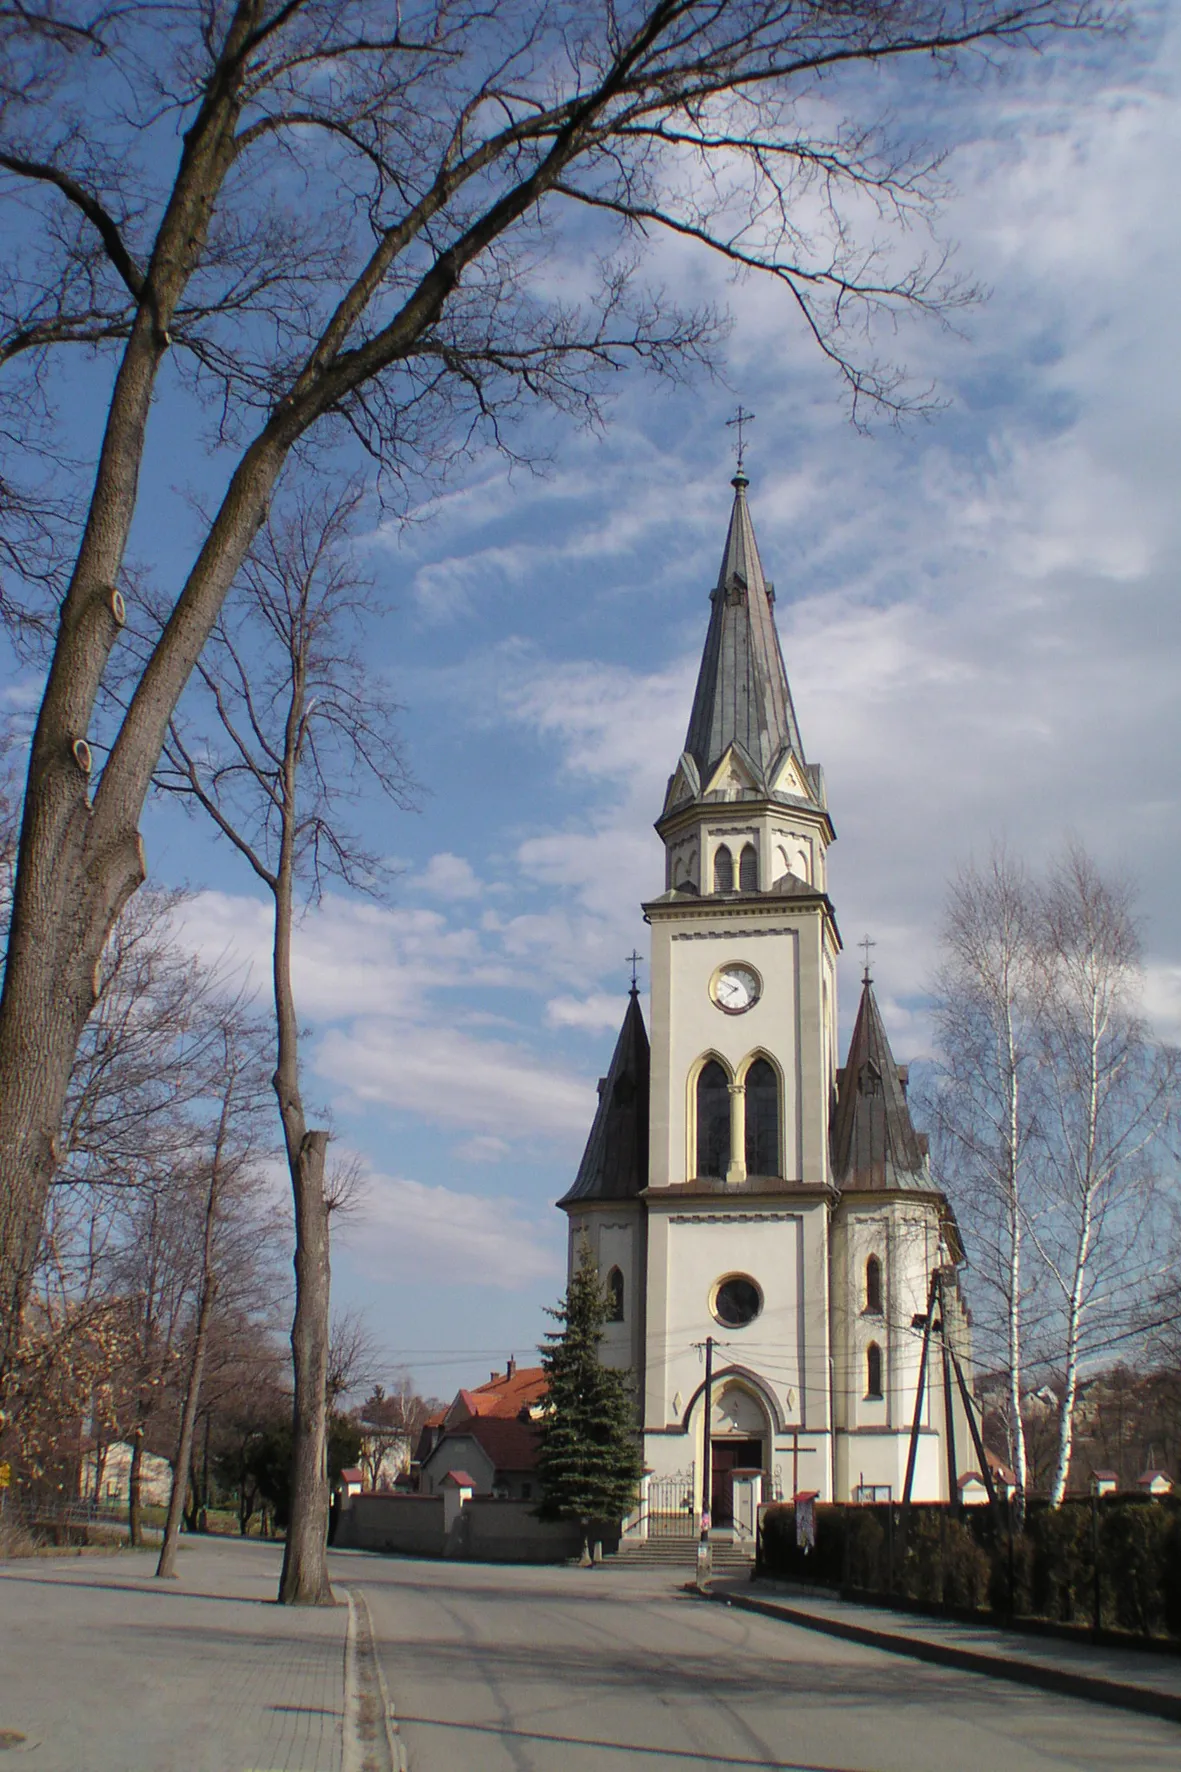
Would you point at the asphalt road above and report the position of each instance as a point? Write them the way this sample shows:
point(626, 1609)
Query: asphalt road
point(566, 1670)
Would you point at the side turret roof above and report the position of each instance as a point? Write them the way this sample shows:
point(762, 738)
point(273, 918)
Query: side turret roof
point(874, 1143)
point(742, 694)
point(615, 1163)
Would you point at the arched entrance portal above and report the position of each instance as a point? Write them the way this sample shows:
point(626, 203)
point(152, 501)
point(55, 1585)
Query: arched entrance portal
point(740, 1440)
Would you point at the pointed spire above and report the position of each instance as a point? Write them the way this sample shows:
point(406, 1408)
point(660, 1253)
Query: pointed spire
point(615, 1163)
point(742, 693)
point(874, 1143)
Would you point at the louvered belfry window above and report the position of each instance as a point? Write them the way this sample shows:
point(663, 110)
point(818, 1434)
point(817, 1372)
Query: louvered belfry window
point(615, 1296)
point(748, 869)
point(713, 1121)
point(873, 1286)
point(723, 870)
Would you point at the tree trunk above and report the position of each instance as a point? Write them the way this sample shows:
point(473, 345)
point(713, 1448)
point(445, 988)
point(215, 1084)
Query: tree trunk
point(166, 1567)
point(304, 1581)
point(134, 1498)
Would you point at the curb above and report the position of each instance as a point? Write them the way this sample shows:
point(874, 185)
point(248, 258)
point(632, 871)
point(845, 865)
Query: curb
point(371, 1742)
point(1093, 1687)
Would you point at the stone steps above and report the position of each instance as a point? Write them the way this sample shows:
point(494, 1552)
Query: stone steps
point(681, 1553)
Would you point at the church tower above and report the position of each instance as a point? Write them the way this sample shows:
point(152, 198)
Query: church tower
point(731, 1194)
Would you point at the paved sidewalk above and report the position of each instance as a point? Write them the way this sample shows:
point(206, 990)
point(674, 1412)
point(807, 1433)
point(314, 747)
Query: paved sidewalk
point(103, 1669)
point(1128, 1678)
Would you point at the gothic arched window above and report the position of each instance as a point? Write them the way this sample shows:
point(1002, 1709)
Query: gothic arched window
point(873, 1286)
point(762, 1119)
point(615, 1296)
point(713, 1121)
point(723, 870)
point(873, 1370)
point(748, 870)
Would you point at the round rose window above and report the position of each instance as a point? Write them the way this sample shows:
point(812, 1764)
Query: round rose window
point(736, 1301)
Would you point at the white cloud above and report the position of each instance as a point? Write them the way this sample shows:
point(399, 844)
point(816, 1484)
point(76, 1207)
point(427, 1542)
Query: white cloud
point(444, 1076)
point(482, 1149)
point(407, 1230)
point(448, 877)
point(589, 1013)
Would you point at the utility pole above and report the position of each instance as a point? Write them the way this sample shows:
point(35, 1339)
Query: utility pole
point(707, 1443)
point(704, 1555)
point(948, 1414)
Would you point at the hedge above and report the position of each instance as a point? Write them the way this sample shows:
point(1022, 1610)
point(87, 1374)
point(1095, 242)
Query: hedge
point(967, 1559)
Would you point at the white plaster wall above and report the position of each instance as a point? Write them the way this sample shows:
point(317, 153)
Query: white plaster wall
point(687, 1024)
point(783, 1249)
point(874, 1435)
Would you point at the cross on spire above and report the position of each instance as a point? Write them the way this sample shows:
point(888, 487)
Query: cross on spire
point(866, 943)
point(741, 417)
point(633, 960)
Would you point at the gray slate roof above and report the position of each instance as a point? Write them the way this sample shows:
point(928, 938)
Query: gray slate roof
point(742, 692)
point(874, 1143)
point(615, 1163)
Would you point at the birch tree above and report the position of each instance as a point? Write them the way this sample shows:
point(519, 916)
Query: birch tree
point(1053, 1107)
point(327, 218)
point(985, 1100)
point(1110, 1096)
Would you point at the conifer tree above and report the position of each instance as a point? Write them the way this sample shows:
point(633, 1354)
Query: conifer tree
point(589, 1461)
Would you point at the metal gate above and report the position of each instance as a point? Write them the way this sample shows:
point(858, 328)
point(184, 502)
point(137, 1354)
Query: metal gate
point(670, 1506)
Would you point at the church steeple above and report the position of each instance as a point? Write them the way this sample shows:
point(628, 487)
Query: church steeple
point(874, 1143)
point(615, 1163)
point(744, 745)
point(742, 695)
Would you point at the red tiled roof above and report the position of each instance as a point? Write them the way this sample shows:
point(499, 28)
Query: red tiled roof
point(460, 1479)
point(504, 1397)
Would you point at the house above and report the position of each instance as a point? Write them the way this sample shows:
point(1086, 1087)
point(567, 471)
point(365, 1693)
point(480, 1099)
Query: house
point(1104, 1482)
point(105, 1476)
point(352, 1481)
point(1004, 1480)
point(490, 1434)
point(973, 1492)
point(1154, 1483)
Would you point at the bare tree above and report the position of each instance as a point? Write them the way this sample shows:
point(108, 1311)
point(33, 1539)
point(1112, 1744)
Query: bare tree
point(225, 1171)
point(392, 302)
point(1051, 1106)
point(1111, 1093)
point(985, 1099)
point(390, 1423)
point(289, 725)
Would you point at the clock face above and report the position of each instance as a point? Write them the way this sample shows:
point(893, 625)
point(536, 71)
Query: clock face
point(736, 988)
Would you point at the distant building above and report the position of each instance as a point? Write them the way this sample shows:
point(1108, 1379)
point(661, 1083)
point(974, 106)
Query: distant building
point(489, 1433)
point(105, 1476)
point(1154, 1483)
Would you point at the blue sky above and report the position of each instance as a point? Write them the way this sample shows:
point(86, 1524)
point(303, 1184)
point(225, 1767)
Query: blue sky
point(981, 624)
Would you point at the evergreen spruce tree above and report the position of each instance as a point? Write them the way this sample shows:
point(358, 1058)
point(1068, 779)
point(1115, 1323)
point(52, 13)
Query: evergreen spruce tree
point(589, 1461)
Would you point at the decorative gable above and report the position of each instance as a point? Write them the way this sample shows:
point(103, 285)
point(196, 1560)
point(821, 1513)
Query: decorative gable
point(788, 778)
point(734, 775)
point(685, 784)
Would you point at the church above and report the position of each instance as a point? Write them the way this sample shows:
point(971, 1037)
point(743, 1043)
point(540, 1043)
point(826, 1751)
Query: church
point(749, 1200)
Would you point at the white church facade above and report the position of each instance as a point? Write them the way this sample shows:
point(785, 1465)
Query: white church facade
point(740, 1187)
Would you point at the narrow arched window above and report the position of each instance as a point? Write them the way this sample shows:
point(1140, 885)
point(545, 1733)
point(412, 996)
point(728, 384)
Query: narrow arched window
point(723, 870)
point(873, 1370)
point(713, 1121)
point(748, 870)
point(615, 1296)
point(873, 1286)
point(762, 1119)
